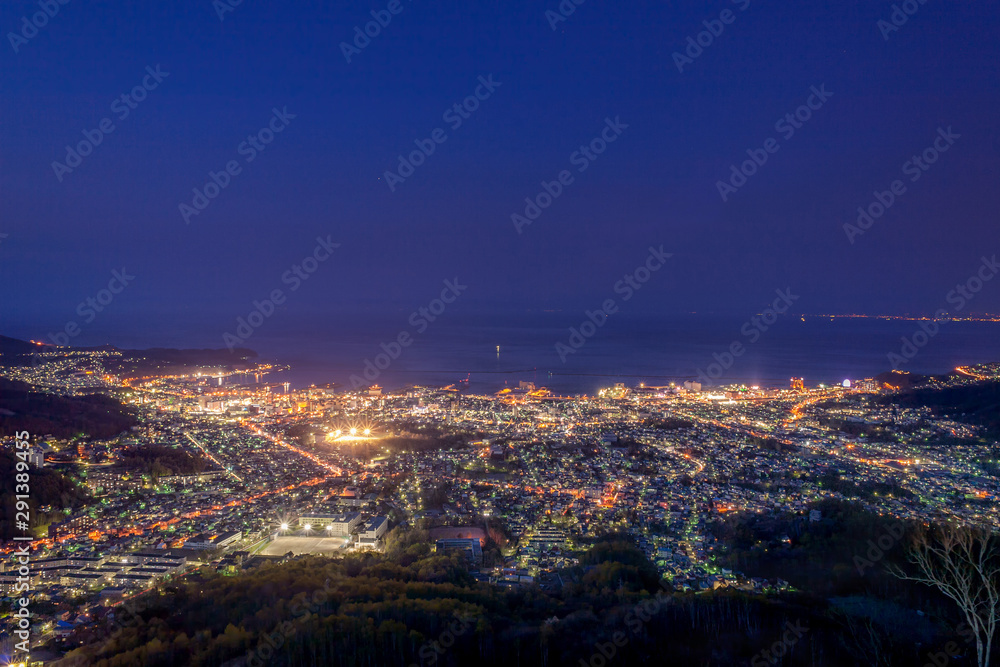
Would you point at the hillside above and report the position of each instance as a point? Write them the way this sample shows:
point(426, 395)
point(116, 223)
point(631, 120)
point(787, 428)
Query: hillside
point(976, 404)
point(413, 607)
point(24, 408)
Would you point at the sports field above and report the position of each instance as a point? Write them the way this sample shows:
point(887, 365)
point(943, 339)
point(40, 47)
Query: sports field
point(303, 545)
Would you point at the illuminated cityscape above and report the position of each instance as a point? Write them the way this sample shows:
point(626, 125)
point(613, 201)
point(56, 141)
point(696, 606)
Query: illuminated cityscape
point(325, 471)
point(499, 334)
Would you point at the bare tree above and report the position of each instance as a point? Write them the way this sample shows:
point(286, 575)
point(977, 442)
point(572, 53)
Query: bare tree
point(964, 564)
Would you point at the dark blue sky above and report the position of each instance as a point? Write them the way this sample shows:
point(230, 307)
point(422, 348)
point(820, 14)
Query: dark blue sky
point(656, 184)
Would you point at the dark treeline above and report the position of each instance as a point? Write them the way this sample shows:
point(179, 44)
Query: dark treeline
point(979, 403)
point(846, 553)
point(866, 490)
point(49, 488)
point(668, 423)
point(413, 607)
point(161, 460)
point(843, 560)
point(413, 437)
point(873, 432)
point(39, 413)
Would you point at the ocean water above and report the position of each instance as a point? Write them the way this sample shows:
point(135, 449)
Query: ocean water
point(655, 351)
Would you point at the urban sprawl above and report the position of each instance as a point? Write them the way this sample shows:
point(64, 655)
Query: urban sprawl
point(328, 470)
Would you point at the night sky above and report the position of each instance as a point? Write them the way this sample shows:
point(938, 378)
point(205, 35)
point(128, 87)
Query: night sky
point(551, 91)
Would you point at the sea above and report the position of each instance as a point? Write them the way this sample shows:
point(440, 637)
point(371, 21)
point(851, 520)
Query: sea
point(488, 353)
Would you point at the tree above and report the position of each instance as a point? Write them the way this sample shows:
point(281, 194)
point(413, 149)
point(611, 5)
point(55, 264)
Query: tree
point(964, 564)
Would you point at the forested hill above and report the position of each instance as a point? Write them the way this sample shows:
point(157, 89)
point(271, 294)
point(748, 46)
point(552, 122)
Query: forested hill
point(50, 489)
point(976, 403)
point(27, 408)
point(412, 607)
point(131, 363)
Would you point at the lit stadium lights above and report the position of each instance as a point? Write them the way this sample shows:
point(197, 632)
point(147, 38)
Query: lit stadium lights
point(284, 526)
point(354, 431)
point(368, 431)
point(308, 526)
point(337, 433)
point(329, 527)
